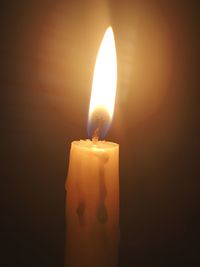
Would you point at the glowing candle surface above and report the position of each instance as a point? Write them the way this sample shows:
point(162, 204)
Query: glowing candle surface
point(92, 184)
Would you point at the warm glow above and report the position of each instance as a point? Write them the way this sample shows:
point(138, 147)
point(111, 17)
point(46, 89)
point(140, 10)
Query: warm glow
point(105, 77)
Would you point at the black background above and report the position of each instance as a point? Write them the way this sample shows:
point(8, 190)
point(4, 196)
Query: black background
point(48, 51)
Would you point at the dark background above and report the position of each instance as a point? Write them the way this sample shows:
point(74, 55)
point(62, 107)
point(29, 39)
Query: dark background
point(48, 51)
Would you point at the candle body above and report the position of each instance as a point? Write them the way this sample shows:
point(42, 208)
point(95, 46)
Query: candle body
point(92, 205)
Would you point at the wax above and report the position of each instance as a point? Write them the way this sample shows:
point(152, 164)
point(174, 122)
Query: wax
point(92, 205)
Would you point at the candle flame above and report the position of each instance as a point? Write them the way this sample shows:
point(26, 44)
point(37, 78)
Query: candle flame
point(103, 87)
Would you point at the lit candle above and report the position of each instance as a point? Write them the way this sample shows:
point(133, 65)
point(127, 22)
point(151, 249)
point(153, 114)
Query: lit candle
point(92, 184)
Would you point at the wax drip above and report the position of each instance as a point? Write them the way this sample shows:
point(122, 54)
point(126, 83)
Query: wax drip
point(81, 207)
point(102, 214)
point(80, 212)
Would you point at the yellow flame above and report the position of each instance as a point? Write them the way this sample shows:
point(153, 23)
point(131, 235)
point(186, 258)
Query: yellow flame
point(105, 76)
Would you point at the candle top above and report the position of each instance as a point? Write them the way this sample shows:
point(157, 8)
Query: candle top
point(98, 146)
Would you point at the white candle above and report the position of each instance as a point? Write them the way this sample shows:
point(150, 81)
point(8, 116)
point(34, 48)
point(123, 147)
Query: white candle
point(92, 205)
point(92, 185)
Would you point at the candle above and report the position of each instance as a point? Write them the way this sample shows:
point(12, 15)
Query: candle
point(92, 184)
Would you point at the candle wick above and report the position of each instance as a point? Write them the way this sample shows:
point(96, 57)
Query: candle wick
point(99, 125)
point(95, 136)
